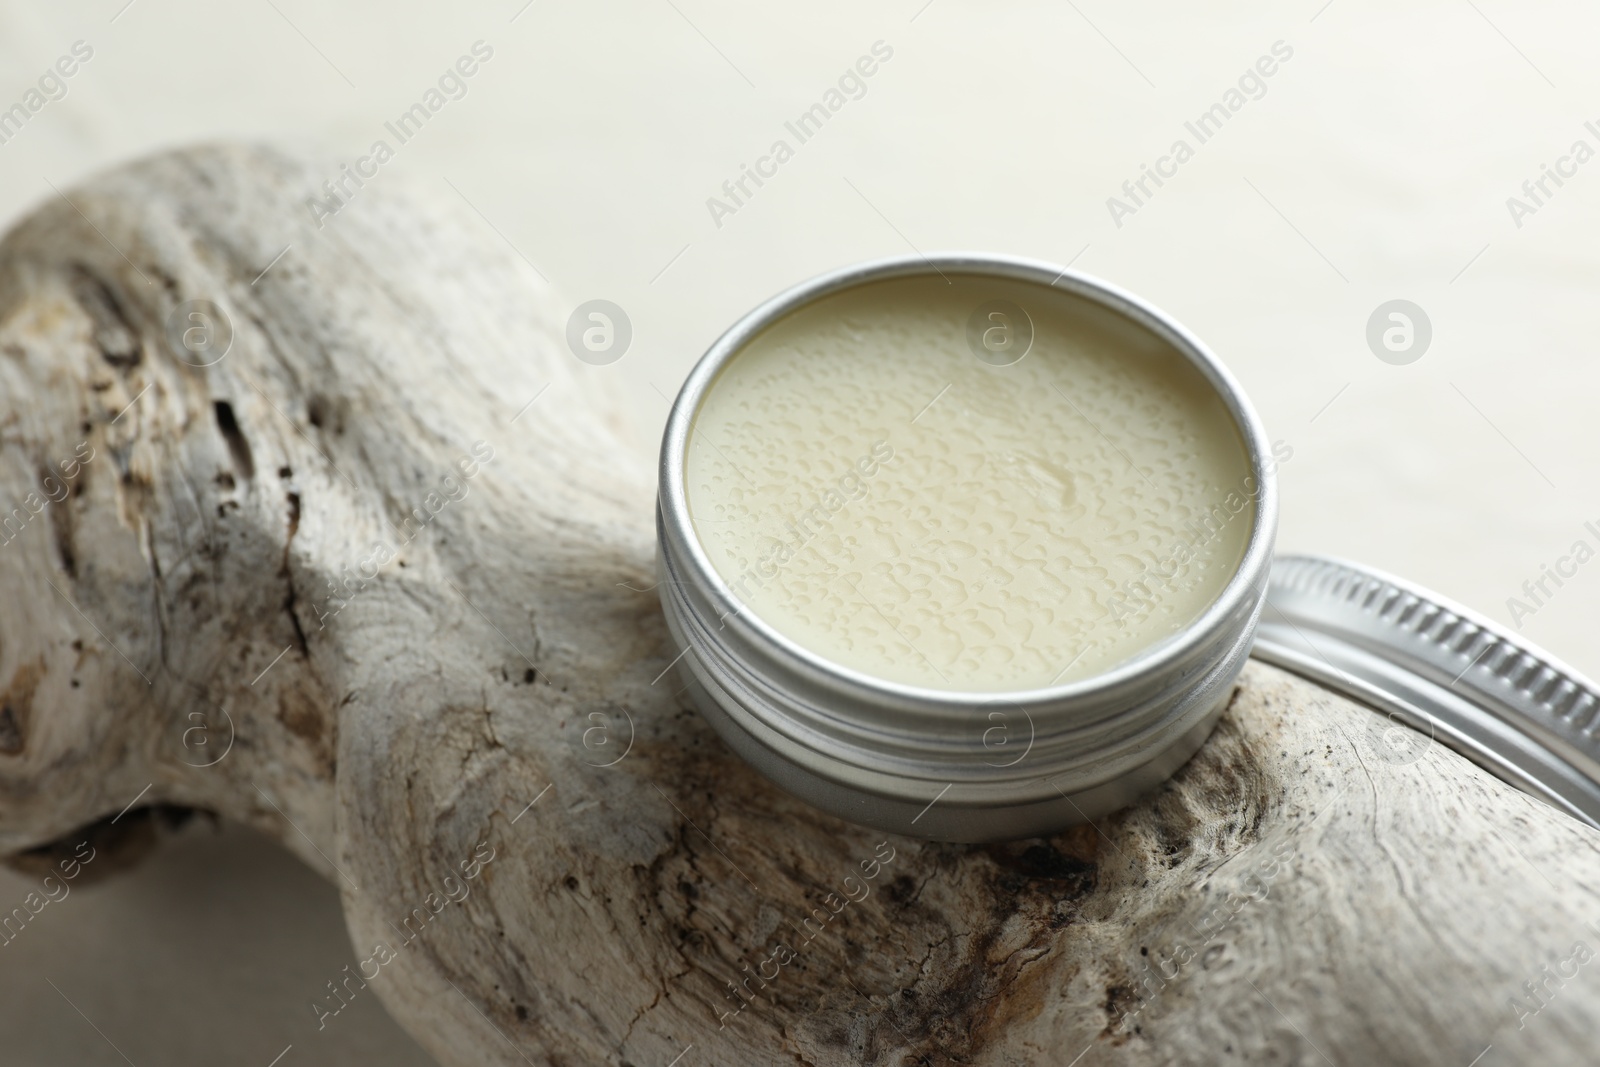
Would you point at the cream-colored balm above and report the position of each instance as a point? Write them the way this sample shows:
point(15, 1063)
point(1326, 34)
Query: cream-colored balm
point(968, 484)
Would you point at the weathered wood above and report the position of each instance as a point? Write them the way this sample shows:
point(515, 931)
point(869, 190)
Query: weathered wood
point(1306, 898)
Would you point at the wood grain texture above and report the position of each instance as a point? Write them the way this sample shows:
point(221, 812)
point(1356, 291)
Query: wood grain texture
point(412, 612)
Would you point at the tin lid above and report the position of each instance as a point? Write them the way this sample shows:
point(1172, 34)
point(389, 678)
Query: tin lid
point(1439, 673)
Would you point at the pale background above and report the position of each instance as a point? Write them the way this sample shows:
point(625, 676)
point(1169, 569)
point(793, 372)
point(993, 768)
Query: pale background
point(1376, 167)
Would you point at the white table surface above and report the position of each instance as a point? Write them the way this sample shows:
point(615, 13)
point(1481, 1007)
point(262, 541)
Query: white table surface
point(1376, 166)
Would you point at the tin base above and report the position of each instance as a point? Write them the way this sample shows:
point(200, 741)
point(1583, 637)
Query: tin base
point(941, 819)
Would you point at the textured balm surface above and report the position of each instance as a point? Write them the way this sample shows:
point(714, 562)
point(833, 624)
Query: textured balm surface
point(876, 492)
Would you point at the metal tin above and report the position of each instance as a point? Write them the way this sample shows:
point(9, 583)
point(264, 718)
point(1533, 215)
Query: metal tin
point(953, 766)
point(1441, 670)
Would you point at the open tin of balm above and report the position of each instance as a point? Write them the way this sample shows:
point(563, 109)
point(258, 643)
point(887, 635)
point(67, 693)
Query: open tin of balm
point(963, 547)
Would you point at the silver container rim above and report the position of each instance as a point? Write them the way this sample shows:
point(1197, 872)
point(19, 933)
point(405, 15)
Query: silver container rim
point(682, 543)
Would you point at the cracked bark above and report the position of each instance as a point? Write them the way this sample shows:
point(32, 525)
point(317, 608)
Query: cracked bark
point(185, 579)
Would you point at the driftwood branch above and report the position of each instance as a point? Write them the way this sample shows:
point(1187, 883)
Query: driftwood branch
point(333, 585)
